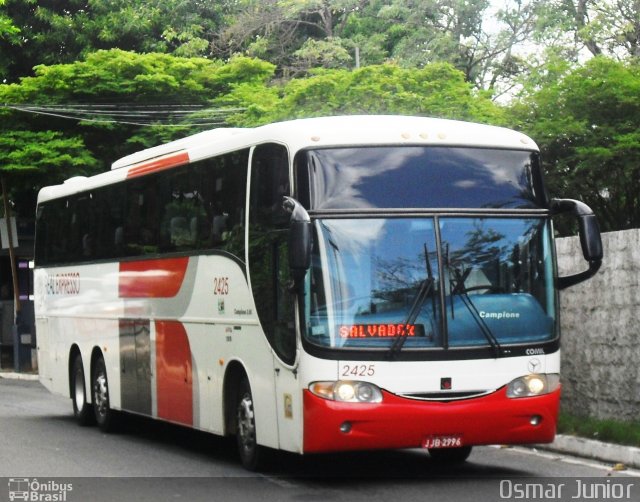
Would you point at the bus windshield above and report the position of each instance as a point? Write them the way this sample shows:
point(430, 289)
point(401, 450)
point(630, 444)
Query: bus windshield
point(421, 177)
point(484, 281)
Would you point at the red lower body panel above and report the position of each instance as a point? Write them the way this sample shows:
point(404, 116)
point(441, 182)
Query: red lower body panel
point(399, 422)
point(174, 373)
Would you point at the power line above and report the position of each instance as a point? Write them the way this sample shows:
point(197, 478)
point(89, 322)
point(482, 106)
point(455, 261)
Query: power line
point(156, 115)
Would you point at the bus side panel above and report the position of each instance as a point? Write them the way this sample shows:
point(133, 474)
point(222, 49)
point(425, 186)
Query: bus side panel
point(58, 359)
point(205, 340)
point(135, 365)
point(44, 353)
point(77, 305)
point(44, 348)
point(230, 333)
point(174, 379)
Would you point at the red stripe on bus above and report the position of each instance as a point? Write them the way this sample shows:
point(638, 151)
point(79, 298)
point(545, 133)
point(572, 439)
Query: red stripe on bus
point(159, 165)
point(152, 278)
point(174, 378)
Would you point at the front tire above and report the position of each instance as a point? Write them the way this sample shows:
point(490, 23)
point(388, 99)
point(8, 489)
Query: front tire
point(251, 453)
point(450, 456)
point(104, 415)
point(82, 410)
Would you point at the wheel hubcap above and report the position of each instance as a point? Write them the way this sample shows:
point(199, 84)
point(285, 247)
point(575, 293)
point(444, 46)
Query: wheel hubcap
point(246, 424)
point(101, 394)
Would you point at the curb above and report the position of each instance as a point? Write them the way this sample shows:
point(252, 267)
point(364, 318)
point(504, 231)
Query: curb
point(628, 456)
point(18, 376)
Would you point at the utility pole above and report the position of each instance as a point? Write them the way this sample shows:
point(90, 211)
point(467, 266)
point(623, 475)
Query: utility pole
point(12, 255)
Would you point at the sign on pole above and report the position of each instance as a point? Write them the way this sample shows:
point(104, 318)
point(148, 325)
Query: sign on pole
point(4, 236)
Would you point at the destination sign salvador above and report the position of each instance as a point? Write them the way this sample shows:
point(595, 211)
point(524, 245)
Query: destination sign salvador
point(382, 330)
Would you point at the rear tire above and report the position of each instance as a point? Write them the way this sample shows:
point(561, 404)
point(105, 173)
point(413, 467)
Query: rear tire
point(450, 456)
point(252, 455)
point(82, 410)
point(104, 415)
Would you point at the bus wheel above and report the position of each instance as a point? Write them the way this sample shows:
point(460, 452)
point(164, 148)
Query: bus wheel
point(103, 413)
point(251, 454)
point(82, 410)
point(450, 455)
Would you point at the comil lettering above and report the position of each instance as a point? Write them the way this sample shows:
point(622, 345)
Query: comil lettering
point(499, 315)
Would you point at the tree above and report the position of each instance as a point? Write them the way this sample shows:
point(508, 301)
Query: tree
point(63, 31)
point(586, 126)
point(437, 90)
point(600, 27)
point(299, 36)
point(296, 35)
point(29, 160)
point(111, 104)
point(9, 35)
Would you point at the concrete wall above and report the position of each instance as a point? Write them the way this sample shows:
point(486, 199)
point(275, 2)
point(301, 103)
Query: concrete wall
point(600, 327)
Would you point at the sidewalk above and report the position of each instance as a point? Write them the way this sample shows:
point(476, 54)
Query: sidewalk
point(610, 453)
point(18, 376)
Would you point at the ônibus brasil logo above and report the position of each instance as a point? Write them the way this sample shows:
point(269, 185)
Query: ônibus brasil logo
point(38, 491)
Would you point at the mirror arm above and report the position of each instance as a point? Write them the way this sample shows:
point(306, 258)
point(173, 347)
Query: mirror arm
point(589, 239)
point(572, 280)
point(570, 205)
point(295, 209)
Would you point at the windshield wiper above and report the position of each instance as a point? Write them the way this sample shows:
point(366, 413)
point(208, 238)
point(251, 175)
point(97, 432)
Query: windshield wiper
point(425, 289)
point(460, 289)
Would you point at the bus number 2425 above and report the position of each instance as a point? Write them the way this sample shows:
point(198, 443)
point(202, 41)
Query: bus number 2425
point(221, 286)
point(359, 370)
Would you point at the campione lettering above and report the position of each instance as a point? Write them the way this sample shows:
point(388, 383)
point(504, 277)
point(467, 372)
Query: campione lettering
point(499, 315)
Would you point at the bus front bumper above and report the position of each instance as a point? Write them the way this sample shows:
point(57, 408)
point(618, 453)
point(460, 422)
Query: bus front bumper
point(399, 422)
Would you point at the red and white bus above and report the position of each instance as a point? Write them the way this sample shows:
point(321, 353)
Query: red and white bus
point(326, 284)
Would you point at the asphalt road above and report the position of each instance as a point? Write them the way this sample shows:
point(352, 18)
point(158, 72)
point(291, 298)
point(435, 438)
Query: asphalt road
point(147, 460)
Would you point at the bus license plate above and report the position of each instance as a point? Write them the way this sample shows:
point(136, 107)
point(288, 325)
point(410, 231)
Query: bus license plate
point(447, 441)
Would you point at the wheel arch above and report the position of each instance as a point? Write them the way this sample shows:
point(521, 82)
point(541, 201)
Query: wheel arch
point(233, 375)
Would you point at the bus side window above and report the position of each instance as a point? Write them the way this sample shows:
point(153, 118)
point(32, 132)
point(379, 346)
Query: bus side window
point(226, 198)
point(268, 233)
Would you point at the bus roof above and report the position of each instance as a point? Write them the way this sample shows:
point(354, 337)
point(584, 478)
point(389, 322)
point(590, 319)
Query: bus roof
point(322, 132)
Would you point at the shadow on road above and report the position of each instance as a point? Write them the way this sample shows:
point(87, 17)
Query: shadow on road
point(373, 465)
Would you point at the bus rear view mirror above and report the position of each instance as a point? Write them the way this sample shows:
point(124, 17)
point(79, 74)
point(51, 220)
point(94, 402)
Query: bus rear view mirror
point(299, 239)
point(590, 239)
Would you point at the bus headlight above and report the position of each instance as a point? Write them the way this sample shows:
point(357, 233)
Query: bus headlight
point(533, 385)
point(347, 391)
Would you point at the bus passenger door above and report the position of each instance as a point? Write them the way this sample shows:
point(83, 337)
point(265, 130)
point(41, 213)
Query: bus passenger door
point(288, 394)
point(269, 276)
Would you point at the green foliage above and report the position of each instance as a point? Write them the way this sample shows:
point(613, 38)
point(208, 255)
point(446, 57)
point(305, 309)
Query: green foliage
point(323, 54)
point(436, 90)
point(586, 124)
point(63, 31)
point(613, 431)
point(116, 79)
point(7, 29)
point(42, 152)
point(138, 77)
point(9, 35)
point(30, 160)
